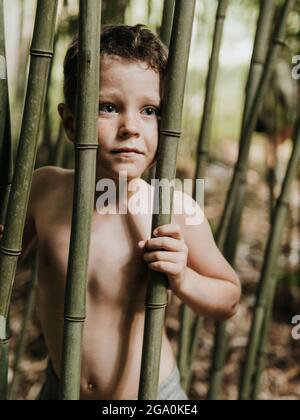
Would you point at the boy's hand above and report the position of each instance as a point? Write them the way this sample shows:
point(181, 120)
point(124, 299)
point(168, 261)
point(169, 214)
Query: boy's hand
point(167, 253)
point(1, 231)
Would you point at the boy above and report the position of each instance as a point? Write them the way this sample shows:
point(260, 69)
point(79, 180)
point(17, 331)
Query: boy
point(133, 62)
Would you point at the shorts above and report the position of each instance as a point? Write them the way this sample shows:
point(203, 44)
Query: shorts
point(170, 389)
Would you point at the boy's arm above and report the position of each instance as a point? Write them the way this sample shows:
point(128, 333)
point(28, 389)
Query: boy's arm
point(211, 286)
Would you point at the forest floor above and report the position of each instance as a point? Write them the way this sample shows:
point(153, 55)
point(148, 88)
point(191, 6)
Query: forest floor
point(281, 378)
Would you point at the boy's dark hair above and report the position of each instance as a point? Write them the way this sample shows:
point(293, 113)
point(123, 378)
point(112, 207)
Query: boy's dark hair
point(130, 42)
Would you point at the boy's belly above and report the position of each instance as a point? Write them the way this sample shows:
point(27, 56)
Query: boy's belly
point(111, 352)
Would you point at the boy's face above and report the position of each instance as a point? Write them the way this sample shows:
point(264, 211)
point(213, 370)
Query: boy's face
point(129, 105)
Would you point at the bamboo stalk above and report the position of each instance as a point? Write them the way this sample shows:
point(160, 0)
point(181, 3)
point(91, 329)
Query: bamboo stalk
point(205, 131)
point(46, 147)
point(10, 246)
point(202, 155)
point(6, 174)
point(194, 342)
point(58, 152)
point(167, 21)
point(165, 35)
point(239, 176)
point(268, 278)
point(86, 145)
point(170, 131)
point(21, 346)
point(6, 161)
point(263, 343)
point(261, 43)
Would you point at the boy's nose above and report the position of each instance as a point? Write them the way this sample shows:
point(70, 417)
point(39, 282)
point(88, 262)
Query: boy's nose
point(128, 127)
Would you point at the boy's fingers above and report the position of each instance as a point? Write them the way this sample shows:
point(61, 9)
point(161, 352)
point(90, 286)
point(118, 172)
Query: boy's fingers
point(166, 243)
point(172, 230)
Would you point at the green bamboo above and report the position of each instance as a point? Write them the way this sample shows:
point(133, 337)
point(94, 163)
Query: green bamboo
point(263, 343)
point(6, 174)
point(268, 276)
point(21, 346)
point(6, 161)
point(261, 43)
point(239, 176)
point(86, 145)
point(57, 156)
point(165, 36)
point(46, 147)
point(205, 131)
point(10, 246)
point(195, 332)
point(202, 155)
point(167, 22)
point(170, 131)
point(113, 12)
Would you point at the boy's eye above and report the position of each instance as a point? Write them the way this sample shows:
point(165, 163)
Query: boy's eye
point(107, 108)
point(151, 110)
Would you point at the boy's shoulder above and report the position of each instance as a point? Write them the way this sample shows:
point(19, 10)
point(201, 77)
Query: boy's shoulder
point(186, 210)
point(47, 180)
point(46, 175)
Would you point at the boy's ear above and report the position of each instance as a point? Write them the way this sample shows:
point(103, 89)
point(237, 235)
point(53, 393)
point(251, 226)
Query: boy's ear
point(68, 119)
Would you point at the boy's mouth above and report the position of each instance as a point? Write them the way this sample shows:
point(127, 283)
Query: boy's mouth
point(127, 151)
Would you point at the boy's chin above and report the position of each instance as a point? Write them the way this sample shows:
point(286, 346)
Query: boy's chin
point(127, 174)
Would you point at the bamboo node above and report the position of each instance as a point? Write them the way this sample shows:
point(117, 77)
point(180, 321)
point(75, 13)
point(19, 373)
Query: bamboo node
point(2, 328)
point(283, 202)
point(278, 41)
point(4, 186)
point(74, 318)
point(171, 133)
point(41, 53)
point(81, 146)
point(156, 305)
point(260, 62)
point(239, 168)
point(11, 252)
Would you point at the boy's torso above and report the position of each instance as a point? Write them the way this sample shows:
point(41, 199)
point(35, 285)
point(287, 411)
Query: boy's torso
point(113, 333)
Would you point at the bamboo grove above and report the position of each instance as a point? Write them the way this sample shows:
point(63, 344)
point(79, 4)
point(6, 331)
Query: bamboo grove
point(175, 30)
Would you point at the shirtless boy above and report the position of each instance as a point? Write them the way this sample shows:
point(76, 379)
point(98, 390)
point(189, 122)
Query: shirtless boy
point(133, 64)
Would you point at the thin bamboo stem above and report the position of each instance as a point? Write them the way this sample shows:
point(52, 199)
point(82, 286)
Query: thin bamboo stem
point(205, 131)
point(58, 153)
point(261, 43)
point(10, 247)
point(14, 386)
point(86, 145)
point(170, 131)
point(6, 161)
point(6, 174)
point(268, 277)
point(262, 348)
point(202, 156)
point(239, 176)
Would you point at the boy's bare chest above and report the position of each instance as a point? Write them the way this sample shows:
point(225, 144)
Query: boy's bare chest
point(116, 265)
